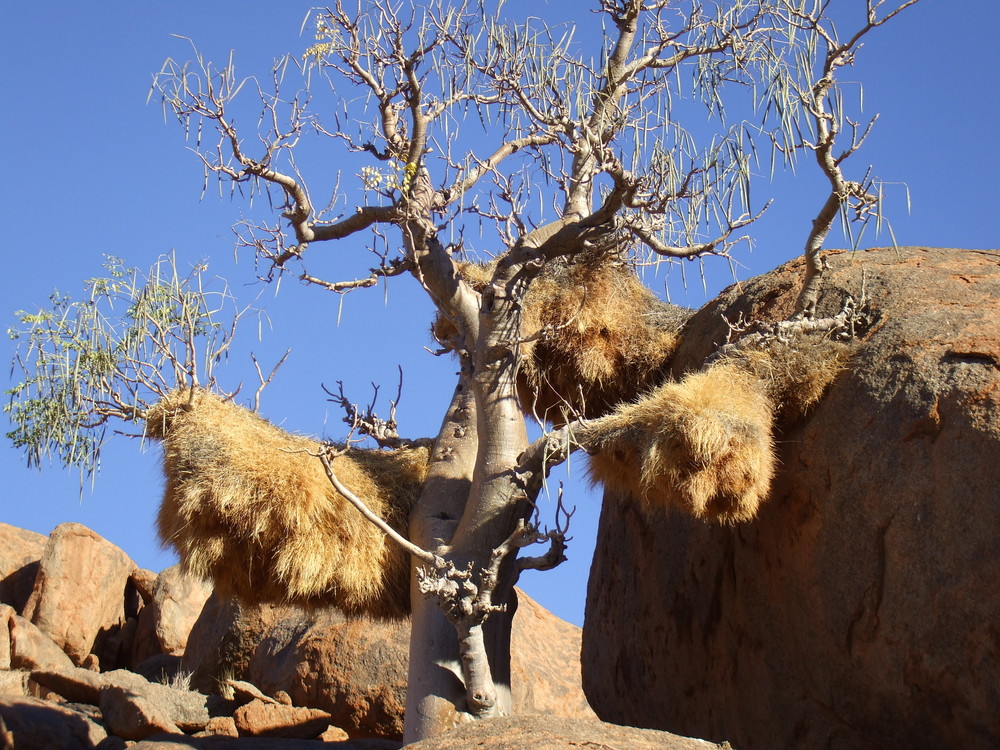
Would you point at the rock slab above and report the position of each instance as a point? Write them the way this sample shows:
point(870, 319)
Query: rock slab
point(79, 592)
point(34, 724)
point(355, 669)
point(861, 609)
point(20, 551)
point(542, 732)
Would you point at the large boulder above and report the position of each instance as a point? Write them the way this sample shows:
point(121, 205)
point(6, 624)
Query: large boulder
point(546, 732)
point(33, 724)
point(20, 551)
point(355, 668)
point(165, 623)
point(861, 609)
point(224, 638)
point(79, 594)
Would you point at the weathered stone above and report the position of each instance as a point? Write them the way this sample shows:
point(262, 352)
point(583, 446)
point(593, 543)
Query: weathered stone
point(20, 551)
point(334, 734)
point(75, 684)
point(166, 621)
point(178, 599)
point(132, 716)
point(144, 582)
point(260, 718)
point(79, 592)
point(6, 612)
point(860, 609)
point(30, 648)
point(180, 742)
point(34, 724)
point(356, 669)
point(244, 692)
point(546, 732)
point(185, 708)
point(116, 649)
point(224, 638)
point(14, 682)
point(545, 663)
point(222, 726)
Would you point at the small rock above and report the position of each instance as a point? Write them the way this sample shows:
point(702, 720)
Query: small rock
point(283, 698)
point(31, 649)
point(34, 724)
point(222, 726)
point(179, 599)
point(132, 716)
point(334, 734)
point(244, 692)
point(13, 682)
point(144, 581)
point(185, 708)
point(166, 622)
point(92, 663)
point(261, 719)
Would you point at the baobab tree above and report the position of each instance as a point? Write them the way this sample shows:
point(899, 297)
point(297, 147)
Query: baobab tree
point(570, 158)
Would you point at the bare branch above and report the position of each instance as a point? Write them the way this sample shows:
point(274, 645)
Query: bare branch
point(385, 528)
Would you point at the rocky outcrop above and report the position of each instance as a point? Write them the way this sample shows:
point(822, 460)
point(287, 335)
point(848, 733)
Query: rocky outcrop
point(180, 742)
point(355, 669)
point(20, 551)
point(544, 732)
point(174, 604)
point(33, 724)
point(30, 648)
point(79, 592)
point(861, 608)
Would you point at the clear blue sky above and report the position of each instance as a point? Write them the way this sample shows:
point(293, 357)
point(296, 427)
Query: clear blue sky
point(91, 169)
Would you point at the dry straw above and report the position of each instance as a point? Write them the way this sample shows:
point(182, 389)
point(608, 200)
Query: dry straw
point(795, 372)
point(702, 445)
point(593, 336)
point(249, 507)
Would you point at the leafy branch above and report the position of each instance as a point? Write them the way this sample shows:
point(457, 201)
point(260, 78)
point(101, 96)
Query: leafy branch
point(89, 363)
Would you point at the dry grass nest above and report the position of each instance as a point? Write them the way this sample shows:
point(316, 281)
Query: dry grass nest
point(593, 336)
point(702, 445)
point(250, 507)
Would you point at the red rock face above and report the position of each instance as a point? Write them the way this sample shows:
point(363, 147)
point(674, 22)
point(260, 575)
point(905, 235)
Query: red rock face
point(861, 609)
point(20, 551)
point(79, 594)
point(355, 669)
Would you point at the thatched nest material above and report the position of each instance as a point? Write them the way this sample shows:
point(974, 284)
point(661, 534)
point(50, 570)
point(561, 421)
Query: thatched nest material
point(250, 507)
point(593, 336)
point(702, 445)
point(795, 372)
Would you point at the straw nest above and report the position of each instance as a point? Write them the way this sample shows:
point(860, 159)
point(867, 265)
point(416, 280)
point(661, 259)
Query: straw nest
point(249, 507)
point(795, 372)
point(592, 336)
point(702, 445)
